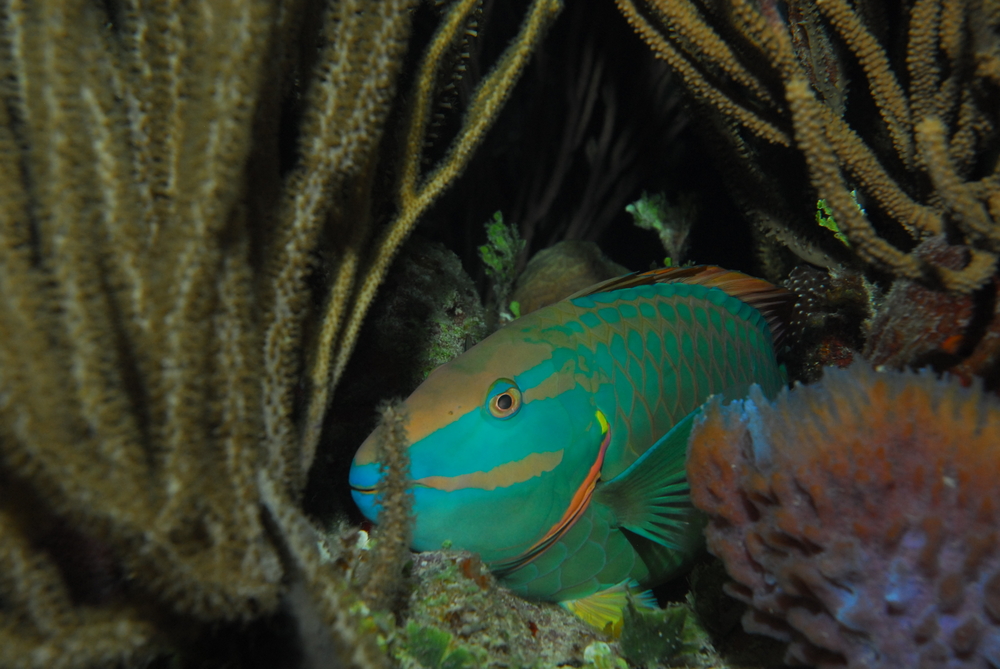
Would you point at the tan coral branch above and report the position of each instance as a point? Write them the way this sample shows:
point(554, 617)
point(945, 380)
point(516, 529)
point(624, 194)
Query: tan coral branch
point(971, 216)
point(392, 536)
point(864, 167)
point(707, 47)
point(51, 632)
point(882, 83)
point(348, 102)
point(336, 309)
point(702, 89)
point(811, 139)
point(416, 195)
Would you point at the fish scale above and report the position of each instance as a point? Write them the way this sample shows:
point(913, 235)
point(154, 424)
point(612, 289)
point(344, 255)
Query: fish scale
point(574, 483)
point(691, 375)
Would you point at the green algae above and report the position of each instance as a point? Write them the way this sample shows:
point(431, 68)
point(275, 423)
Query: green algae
point(671, 635)
point(672, 222)
point(648, 636)
point(434, 648)
point(499, 255)
point(600, 655)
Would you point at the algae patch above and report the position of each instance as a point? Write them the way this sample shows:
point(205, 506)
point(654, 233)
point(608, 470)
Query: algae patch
point(459, 616)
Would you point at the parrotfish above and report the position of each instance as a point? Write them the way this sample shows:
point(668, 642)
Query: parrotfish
point(555, 448)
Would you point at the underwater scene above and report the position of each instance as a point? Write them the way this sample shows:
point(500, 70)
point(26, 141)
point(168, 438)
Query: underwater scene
point(468, 334)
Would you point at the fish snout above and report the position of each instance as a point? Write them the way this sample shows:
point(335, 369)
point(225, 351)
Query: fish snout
point(364, 477)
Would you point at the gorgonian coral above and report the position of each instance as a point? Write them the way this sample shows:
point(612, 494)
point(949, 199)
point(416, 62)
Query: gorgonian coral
point(859, 517)
point(192, 202)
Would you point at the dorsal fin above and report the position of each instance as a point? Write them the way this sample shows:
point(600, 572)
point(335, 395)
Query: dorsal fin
point(773, 302)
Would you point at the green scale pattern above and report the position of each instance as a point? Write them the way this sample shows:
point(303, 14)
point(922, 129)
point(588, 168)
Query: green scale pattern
point(592, 555)
point(653, 354)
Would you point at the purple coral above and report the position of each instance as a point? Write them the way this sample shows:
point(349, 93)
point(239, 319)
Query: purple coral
point(859, 517)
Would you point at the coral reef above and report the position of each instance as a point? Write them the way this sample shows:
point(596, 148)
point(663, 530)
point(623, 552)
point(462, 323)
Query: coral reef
point(859, 517)
point(882, 117)
point(429, 314)
point(199, 201)
point(169, 177)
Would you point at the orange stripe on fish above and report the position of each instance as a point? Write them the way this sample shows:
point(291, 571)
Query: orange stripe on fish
point(500, 476)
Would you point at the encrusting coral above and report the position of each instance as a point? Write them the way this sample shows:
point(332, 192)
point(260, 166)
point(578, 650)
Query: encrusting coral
point(167, 349)
point(859, 517)
point(428, 313)
point(917, 326)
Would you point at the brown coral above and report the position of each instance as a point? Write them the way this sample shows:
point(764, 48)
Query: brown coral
point(157, 269)
point(913, 137)
point(859, 517)
point(392, 536)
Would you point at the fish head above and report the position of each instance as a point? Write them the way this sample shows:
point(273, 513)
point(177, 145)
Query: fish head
point(502, 440)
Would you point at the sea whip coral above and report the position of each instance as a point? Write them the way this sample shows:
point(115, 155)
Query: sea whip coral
point(859, 517)
point(190, 237)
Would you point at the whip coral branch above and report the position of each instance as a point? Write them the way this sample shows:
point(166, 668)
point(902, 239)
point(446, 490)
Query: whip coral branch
point(392, 536)
point(416, 193)
point(346, 105)
point(774, 81)
point(162, 370)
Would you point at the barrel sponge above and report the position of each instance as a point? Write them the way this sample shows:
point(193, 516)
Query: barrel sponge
point(859, 517)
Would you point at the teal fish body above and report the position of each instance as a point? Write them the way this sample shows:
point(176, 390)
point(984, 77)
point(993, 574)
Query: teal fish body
point(556, 447)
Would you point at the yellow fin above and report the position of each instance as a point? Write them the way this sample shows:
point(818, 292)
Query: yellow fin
point(605, 609)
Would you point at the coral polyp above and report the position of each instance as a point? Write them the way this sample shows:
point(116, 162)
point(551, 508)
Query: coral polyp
point(859, 517)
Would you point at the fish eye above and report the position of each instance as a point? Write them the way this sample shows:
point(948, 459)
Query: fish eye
point(504, 399)
point(506, 403)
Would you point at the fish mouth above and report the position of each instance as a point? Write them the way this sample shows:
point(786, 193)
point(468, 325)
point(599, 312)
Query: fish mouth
point(371, 490)
point(364, 479)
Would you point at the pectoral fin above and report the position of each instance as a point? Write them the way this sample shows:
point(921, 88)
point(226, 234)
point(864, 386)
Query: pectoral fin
point(651, 498)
